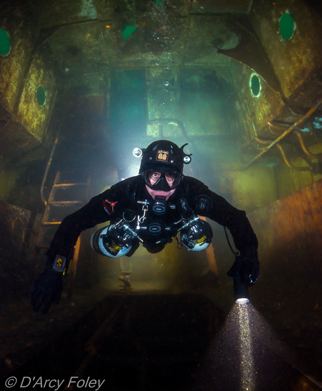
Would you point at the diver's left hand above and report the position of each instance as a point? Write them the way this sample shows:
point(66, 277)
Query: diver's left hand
point(246, 266)
point(46, 290)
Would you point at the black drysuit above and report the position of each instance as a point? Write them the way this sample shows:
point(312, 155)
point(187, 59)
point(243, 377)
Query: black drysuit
point(130, 194)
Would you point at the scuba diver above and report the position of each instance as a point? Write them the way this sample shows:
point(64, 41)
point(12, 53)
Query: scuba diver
point(149, 209)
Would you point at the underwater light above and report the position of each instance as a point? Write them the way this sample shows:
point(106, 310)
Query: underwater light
point(242, 300)
point(137, 152)
point(241, 293)
point(247, 368)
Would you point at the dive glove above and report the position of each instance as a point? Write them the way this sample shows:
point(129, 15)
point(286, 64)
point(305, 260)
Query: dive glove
point(48, 286)
point(246, 267)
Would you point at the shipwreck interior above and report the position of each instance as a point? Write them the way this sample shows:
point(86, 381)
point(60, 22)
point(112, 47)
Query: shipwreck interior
point(84, 82)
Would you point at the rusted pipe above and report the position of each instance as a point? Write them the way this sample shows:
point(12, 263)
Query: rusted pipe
point(280, 124)
point(284, 157)
point(288, 131)
point(298, 135)
point(289, 164)
point(44, 179)
point(275, 128)
point(303, 146)
point(261, 141)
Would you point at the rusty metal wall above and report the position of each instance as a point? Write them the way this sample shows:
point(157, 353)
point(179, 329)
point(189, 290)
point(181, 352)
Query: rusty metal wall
point(16, 271)
point(21, 73)
point(292, 228)
point(290, 243)
point(294, 60)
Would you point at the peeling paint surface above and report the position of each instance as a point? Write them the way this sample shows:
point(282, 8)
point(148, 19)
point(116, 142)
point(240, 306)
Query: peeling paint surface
point(295, 59)
point(12, 67)
point(254, 112)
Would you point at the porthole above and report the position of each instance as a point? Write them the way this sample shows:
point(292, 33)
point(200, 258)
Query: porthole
point(255, 85)
point(287, 26)
point(41, 96)
point(5, 43)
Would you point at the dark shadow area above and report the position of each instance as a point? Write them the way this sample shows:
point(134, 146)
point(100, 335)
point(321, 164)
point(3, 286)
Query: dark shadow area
point(135, 342)
point(162, 341)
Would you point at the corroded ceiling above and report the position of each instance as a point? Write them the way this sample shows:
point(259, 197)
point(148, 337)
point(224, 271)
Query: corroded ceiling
point(86, 36)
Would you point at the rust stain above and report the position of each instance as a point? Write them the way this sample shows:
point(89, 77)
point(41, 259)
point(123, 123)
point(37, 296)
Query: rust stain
point(293, 225)
point(31, 115)
point(12, 67)
point(292, 60)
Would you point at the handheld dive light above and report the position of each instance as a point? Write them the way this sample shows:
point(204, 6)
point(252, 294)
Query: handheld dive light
point(241, 293)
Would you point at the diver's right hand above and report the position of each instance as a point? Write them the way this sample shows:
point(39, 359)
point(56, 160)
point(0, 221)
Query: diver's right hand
point(246, 266)
point(46, 290)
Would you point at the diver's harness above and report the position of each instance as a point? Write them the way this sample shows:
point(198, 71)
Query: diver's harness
point(120, 237)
